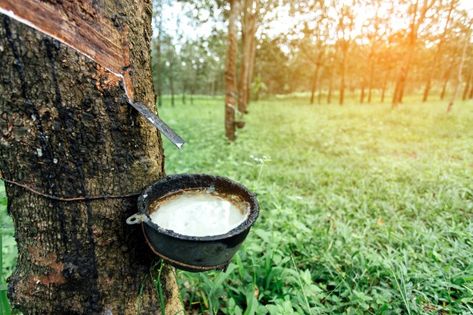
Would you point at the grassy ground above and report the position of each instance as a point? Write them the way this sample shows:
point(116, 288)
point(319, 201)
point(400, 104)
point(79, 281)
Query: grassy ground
point(363, 209)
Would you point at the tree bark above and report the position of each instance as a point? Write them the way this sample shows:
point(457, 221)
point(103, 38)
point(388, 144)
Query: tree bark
point(437, 55)
point(330, 86)
point(467, 86)
point(402, 78)
point(252, 68)
point(343, 67)
point(362, 93)
point(248, 38)
point(319, 94)
point(460, 68)
point(67, 131)
point(363, 80)
point(387, 73)
point(159, 70)
point(470, 94)
point(417, 19)
point(372, 54)
point(371, 78)
point(314, 82)
point(230, 72)
point(446, 78)
point(171, 82)
point(159, 81)
point(345, 28)
point(385, 85)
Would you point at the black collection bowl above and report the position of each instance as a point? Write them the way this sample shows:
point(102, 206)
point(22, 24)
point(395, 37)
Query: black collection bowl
point(194, 253)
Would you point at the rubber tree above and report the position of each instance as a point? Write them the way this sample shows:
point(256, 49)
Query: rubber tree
point(467, 86)
point(374, 37)
point(249, 13)
point(344, 30)
point(158, 18)
point(466, 42)
point(438, 52)
point(418, 16)
point(67, 131)
point(230, 71)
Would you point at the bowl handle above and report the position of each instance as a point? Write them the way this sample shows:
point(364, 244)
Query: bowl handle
point(137, 218)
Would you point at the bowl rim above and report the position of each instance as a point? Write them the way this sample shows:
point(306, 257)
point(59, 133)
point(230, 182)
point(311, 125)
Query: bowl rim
point(144, 201)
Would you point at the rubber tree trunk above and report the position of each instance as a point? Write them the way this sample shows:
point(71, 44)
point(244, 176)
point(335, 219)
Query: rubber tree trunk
point(460, 69)
point(343, 69)
point(470, 94)
point(159, 80)
point(248, 38)
point(330, 86)
point(364, 84)
point(171, 82)
point(319, 94)
point(370, 82)
point(67, 131)
point(467, 86)
point(446, 78)
point(385, 85)
point(315, 79)
point(372, 55)
point(230, 72)
point(438, 52)
point(159, 64)
point(252, 68)
point(401, 81)
point(362, 93)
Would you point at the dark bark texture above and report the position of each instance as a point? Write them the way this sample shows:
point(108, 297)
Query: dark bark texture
point(66, 129)
point(230, 72)
point(249, 28)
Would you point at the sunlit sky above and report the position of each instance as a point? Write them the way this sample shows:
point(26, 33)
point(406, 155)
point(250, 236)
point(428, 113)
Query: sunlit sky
point(176, 21)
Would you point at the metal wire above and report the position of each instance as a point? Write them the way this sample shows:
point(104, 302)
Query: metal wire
point(68, 199)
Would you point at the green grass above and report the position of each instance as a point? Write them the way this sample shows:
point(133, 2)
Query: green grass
point(8, 253)
point(363, 209)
